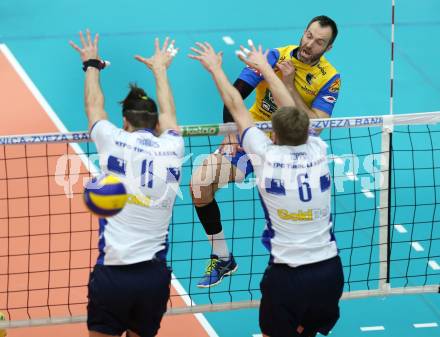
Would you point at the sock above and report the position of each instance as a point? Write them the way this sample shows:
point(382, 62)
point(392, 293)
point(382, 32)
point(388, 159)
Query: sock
point(209, 216)
point(219, 246)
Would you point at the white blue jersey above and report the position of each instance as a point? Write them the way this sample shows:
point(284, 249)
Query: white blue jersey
point(150, 168)
point(295, 190)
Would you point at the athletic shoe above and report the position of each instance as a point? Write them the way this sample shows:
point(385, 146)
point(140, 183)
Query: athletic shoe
point(216, 270)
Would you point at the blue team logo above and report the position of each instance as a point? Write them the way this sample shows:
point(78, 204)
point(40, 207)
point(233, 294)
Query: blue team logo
point(325, 182)
point(309, 78)
point(116, 165)
point(275, 186)
point(173, 174)
point(173, 133)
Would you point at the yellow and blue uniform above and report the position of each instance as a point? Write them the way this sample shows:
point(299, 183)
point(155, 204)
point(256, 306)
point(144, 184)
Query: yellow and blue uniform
point(318, 85)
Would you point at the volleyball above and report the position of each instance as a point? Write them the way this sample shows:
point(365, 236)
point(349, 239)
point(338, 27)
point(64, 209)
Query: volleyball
point(105, 195)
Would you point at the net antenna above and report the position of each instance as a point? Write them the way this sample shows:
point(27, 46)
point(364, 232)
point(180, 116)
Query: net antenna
point(387, 166)
point(392, 58)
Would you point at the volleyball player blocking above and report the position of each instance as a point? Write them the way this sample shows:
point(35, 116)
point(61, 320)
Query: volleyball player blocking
point(130, 284)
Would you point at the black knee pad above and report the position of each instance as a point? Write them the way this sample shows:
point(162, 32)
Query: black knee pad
point(209, 216)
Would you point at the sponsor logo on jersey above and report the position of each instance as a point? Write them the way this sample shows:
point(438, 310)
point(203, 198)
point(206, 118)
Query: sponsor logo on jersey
point(308, 215)
point(329, 99)
point(145, 201)
point(299, 216)
point(323, 72)
point(308, 91)
point(268, 103)
point(139, 200)
point(309, 78)
point(335, 86)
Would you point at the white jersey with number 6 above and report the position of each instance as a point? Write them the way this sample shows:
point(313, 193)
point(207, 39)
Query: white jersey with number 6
point(295, 189)
point(150, 168)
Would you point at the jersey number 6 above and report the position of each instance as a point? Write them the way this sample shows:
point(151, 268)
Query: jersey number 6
point(305, 192)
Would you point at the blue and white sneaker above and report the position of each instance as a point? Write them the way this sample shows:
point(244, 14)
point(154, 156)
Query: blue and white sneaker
point(216, 270)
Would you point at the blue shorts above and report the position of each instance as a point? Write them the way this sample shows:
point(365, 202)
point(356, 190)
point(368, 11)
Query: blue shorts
point(307, 295)
point(131, 297)
point(241, 161)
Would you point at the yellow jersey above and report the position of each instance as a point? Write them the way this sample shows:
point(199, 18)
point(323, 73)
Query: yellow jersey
point(318, 85)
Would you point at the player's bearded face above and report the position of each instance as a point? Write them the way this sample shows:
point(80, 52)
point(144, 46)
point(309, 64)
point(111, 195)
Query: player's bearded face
point(309, 54)
point(314, 43)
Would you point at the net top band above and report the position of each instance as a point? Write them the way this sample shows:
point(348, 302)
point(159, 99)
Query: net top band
point(223, 129)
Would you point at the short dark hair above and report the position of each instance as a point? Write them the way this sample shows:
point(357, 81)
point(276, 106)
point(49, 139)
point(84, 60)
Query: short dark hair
point(325, 21)
point(291, 126)
point(139, 109)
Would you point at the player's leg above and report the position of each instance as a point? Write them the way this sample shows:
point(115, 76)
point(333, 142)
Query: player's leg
point(109, 304)
point(301, 301)
point(325, 281)
point(216, 171)
point(282, 303)
point(151, 283)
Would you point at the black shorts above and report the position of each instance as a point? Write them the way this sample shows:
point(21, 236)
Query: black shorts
point(307, 295)
point(131, 297)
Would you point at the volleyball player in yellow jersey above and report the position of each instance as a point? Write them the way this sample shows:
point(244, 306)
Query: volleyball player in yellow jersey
point(314, 85)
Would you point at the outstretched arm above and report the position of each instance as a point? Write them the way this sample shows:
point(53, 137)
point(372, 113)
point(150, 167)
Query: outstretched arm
point(158, 64)
point(93, 97)
point(212, 62)
point(256, 59)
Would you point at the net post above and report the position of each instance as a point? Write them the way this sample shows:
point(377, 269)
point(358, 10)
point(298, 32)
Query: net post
point(385, 203)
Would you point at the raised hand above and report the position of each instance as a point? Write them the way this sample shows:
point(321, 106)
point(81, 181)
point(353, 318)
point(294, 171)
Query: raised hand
point(254, 58)
point(162, 57)
point(288, 72)
point(207, 56)
point(89, 48)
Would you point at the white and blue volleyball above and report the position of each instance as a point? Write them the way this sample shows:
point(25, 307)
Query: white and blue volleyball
point(105, 195)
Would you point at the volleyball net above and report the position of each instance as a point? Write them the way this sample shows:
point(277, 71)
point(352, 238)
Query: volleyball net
point(385, 210)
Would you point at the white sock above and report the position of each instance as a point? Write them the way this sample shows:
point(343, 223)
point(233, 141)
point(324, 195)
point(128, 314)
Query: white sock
point(219, 246)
